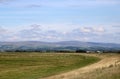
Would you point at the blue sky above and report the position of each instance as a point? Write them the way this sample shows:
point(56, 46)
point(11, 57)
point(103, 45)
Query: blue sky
point(60, 20)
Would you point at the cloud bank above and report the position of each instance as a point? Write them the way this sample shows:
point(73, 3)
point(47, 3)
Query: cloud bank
point(37, 33)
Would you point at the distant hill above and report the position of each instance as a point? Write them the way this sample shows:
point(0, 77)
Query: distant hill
point(63, 45)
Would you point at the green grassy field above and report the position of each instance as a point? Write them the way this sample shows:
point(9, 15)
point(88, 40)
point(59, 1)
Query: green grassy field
point(39, 65)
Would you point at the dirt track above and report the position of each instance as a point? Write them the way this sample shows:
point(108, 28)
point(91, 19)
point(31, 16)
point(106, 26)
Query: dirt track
point(106, 61)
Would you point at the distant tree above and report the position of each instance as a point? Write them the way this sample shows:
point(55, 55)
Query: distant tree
point(118, 52)
point(80, 51)
point(64, 51)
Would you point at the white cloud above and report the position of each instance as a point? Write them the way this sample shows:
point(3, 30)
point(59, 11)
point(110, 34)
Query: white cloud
point(62, 3)
point(35, 26)
point(2, 30)
point(99, 29)
point(38, 33)
point(5, 35)
point(86, 29)
point(95, 30)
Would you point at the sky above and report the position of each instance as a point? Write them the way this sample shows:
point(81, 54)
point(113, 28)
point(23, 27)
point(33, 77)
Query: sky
point(60, 20)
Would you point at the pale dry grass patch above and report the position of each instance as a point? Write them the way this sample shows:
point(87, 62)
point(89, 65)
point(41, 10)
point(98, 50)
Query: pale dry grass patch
point(107, 68)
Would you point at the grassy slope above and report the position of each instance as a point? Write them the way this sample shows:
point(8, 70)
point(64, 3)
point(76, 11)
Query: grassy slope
point(112, 72)
point(38, 65)
point(109, 72)
point(107, 68)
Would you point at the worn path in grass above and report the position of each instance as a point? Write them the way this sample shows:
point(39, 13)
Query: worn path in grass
point(107, 60)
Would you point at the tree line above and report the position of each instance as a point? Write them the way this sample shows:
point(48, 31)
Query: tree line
point(63, 51)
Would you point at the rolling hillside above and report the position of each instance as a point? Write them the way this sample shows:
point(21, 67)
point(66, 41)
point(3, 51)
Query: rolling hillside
point(63, 45)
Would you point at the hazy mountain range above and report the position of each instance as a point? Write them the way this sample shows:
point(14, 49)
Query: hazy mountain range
point(63, 45)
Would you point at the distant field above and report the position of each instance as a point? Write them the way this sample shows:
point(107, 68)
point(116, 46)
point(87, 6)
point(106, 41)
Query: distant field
point(39, 65)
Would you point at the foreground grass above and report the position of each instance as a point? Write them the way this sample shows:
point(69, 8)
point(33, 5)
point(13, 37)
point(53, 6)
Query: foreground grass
point(39, 65)
point(108, 73)
point(112, 71)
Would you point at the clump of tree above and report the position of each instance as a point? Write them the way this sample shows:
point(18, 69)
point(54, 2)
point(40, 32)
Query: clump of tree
point(64, 51)
point(80, 51)
point(112, 51)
